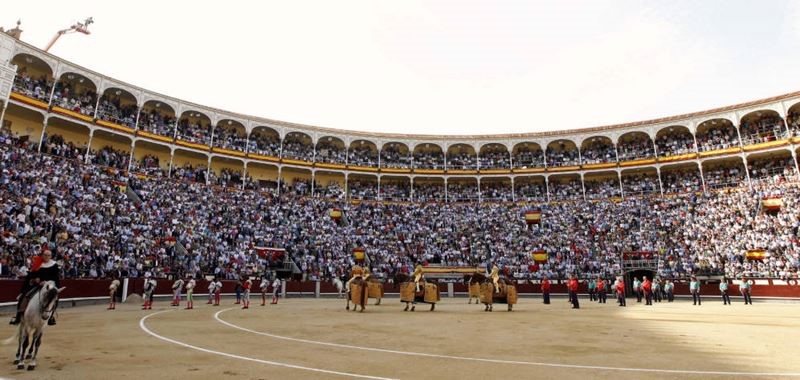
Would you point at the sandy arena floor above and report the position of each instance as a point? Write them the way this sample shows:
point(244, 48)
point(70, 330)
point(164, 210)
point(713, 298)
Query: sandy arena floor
point(308, 338)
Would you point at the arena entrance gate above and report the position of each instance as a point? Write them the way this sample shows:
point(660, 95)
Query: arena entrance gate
point(638, 273)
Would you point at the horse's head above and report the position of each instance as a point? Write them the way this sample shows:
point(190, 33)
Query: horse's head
point(49, 296)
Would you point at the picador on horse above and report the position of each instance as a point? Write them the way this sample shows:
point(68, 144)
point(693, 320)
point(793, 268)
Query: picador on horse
point(418, 290)
point(43, 269)
point(357, 289)
point(492, 289)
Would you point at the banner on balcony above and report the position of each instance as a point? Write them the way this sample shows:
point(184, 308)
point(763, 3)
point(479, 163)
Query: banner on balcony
point(336, 214)
point(272, 254)
point(539, 256)
point(533, 217)
point(772, 203)
point(638, 255)
point(359, 254)
point(756, 254)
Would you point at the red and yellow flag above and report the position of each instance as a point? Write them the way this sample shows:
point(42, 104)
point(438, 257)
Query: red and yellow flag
point(756, 254)
point(336, 213)
point(771, 203)
point(533, 217)
point(539, 256)
point(359, 254)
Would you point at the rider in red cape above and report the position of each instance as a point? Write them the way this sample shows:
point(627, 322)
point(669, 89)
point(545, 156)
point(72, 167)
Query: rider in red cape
point(43, 268)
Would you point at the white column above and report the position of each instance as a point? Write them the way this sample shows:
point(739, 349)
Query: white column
point(88, 146)
point(702, 178)
point(621, 189)
point(44, 129)
point(583, 186)
point(660, 183)
point(747, 171)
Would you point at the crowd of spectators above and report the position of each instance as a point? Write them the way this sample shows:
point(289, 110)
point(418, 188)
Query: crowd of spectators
point(229, 137)
point(673, 144)
point(393, 157)
point(598, 151)
point(108, 156)
point(429, 160)
point(636, 146)
point(194, 132)
point(495, 159)
point(295, 148)
point(330, 152)
point(528, 158)
point(112, 110)
point(157, 123)
point(264, 144)
point(605, 188)
point(562, 156)
point(361, 154)
point(462, 159)
point(723, 136)
point(36, 88)
point(184, 226)
point(765, 129)
point(82, 101)
point(148, 165)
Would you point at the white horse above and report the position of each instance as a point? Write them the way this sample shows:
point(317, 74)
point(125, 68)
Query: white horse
point(337, 282)
point(40, 308)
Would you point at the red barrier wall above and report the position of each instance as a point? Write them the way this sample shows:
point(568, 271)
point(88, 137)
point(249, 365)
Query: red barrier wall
point(99, 288)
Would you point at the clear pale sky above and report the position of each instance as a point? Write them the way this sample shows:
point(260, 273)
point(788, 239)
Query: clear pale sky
point(417, 66)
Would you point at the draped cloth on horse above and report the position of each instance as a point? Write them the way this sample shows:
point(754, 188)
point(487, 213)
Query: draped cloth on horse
point(375, 288)
point(358, 292)
point(428, 294)
point(507, 294)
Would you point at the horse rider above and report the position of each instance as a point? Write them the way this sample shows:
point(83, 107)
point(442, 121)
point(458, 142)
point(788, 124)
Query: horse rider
point(356, 272)
point(41, 271)
point(417, 276)
point(495, 278)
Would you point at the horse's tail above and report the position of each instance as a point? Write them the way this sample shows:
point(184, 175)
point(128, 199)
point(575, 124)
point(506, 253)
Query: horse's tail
point(12, 338)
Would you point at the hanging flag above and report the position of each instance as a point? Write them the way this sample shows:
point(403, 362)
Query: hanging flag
point(273, 254)
point(359, 254)
point(336, 214)
point(756, 254)
point(121, 186)
point(772, 203)
point(539, 256)
point(533, 217)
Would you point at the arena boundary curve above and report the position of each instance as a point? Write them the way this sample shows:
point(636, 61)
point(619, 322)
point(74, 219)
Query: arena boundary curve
point(502, 361)
point(247, 358)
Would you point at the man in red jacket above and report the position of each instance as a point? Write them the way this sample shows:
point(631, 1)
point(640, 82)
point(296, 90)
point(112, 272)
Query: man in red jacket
point(620, 292)
point(546, 290)
point(647, 286)
point(601, 290)
point(572, 286)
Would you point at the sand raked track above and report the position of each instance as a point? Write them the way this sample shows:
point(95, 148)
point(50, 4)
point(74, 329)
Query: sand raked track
point(317, 338)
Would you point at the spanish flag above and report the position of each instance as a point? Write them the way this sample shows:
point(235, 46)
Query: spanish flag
point(540, 256)
point(533, 217)
point(121, 186)
point(756, 254)
point(359, 254)
point(336, 214)
point(771, 203)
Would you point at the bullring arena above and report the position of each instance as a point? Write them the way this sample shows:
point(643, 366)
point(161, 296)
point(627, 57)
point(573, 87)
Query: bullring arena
point(318, 338)
point(116, 199)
